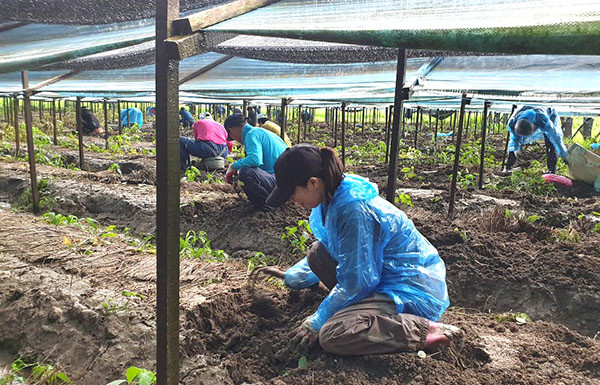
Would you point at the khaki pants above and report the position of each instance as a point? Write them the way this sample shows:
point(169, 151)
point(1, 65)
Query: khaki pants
point(370, 326)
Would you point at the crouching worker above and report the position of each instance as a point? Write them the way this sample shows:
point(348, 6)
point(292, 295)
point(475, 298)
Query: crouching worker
point(528, 125)
point(255, 171)
point(210, 140)
point(386, 281)
point(90, 123)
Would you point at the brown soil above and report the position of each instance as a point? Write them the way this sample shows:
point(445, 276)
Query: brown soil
point(232, 334)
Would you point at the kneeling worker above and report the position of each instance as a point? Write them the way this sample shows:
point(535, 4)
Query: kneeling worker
point(264, 122)
point(386, 282)
point(256, 169)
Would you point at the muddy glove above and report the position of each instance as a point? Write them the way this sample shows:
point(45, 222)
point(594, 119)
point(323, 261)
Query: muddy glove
point(306, 335)
point(231, 173)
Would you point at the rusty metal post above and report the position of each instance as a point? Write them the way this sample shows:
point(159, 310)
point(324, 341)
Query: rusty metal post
point(17, 126)
point(35, 195)
point(119, 113)
point(399, 98)
point(344, 133)
point(514, 107)
point(486, 105)
point(167, 198)
point(463, 104)
point(284, 104)
point(419, 116)
point(299, 124)
point(363, 120)
point(105, 123)
point(437, 122)
point(386, 127)
point(245, 107)
point(335, 128)
point(79, 125)
point(55, 129)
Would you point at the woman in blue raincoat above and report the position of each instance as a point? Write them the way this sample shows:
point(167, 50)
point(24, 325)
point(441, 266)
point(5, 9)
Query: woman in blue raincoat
point(386, 281)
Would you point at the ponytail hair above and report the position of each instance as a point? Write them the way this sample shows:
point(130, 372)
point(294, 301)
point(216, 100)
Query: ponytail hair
point(332, 172)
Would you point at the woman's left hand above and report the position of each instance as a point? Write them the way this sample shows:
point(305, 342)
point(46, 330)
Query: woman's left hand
point(306, 335)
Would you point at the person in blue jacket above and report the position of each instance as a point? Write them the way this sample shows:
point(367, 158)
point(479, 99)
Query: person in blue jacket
point(387, 283)
point(186, 118)
point(255, 171)
point(528, 125)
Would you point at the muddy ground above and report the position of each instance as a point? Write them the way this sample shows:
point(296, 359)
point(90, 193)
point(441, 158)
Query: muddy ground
point(55, 279)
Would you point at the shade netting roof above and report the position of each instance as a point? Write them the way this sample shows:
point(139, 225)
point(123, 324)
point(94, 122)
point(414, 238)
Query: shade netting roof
point(34, 45)
point(506, 26)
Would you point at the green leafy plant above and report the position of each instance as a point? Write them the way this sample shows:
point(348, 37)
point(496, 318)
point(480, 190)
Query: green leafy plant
point(59, 219)
point(47, 201)
point(192, 173)
point(302, 362)
point(116, 168)
point(462, 234)
point(197, 245)
point(41, 374)
point(138, 376)
point(297, 236)
point(259, 259)
point(408, 172)
point(404, 199)
point(519, 318)
point(532, 218)
point(568, 235)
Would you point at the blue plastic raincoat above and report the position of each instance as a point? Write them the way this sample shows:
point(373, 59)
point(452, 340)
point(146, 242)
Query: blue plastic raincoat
point(547, 122)
point(135, 116)
point(378, 249)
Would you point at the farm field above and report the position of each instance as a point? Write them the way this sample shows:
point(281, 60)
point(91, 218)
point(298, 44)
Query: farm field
point(78, 282)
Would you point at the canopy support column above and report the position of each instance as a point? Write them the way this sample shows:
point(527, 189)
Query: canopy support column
point(344, 133)
point(486, 105)
point(463, 104)
point(437, 121)
point(105, 123)
point(299, 120)
point(79, 126)
point(30, 151)
point(400, 95)
point(17, 126)
point(419, 116)
point(54, 128)
point(167, 198)
point(284, 103)
point(514, 107)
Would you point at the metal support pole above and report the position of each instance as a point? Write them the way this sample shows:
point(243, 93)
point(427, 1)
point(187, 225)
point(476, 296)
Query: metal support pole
point(17, 126)
point(344, 133)
point(55, 129)
point(167, 199)
point(335, 128)
point(299, 120)
point(386, 135)
point(284, 104)
point(467, 125)
point(40, 110)
point(399, 97)
point(119, 113)
point(30, 150)
point(486, 105)
point(514, 107)
point(419, 116)
point(79, 125)
point(463, 103)
point(354, 125)
point(437, 121)
point(105, 123)
point(363, 120)
point(245, 107)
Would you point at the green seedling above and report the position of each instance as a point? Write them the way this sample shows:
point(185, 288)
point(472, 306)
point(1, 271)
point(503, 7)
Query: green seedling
point(519, 318)
point(137, 376)
point(404, 199)
point(116, 168)
point(532, 218)
point(41, 374)
point(259, 260)
point(297, 236)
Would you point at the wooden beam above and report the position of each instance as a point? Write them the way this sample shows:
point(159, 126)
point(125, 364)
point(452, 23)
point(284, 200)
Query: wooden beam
point(202, 70)
point(205, 18)
point(181, 47)
point(52, 80)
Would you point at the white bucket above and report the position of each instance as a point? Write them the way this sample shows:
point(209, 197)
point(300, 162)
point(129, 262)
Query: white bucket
point(213, 163)
point(584, 165)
